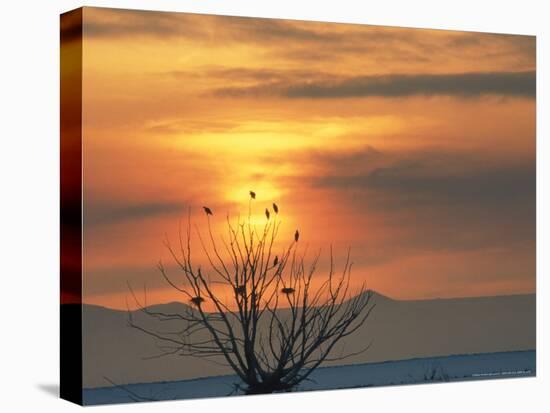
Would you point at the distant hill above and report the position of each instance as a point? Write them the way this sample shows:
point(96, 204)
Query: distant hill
point(397, 329)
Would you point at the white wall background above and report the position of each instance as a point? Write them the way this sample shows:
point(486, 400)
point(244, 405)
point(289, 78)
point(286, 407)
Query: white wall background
point(29, 192)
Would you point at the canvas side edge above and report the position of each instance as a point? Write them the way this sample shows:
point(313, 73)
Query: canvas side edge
point(71, 206)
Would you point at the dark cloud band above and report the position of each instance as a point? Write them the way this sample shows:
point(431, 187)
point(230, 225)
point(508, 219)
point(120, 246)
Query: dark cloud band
point(515, 84)
point(466, 84)
point(104, 213)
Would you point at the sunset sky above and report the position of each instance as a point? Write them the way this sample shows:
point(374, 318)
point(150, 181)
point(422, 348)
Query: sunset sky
point(416, 148)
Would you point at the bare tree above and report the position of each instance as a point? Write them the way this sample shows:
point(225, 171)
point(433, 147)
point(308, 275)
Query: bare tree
point(280, 322)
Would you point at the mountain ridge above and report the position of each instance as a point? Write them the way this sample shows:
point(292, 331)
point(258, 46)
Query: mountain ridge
point(376, 297)
point(397, 329)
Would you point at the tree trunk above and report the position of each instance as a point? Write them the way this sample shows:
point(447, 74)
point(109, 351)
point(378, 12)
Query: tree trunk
point(267, 388)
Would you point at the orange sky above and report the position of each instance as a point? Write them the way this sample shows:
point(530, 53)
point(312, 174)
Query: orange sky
point(414, 147)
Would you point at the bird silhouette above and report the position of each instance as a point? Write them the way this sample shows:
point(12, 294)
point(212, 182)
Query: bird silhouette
point(252, 194)
point(275, 208)
point(296, 236)
point(197, 300)
point(276, 261)
point(241, 289)
point(207, 210)
point(267, 213)
point(287, 290)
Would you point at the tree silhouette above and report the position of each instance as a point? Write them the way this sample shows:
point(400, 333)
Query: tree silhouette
point(279, 323)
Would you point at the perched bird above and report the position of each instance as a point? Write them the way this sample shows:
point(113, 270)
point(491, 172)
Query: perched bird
point(252, 194)
point(296, 236)
point(276, 261)
point(207, 210)
point(287, 290)
point(198, 300)
point(275, 208)
point(241, 289)
point(267, 213)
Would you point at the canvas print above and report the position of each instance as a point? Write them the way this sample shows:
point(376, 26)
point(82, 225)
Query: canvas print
point(256, 206)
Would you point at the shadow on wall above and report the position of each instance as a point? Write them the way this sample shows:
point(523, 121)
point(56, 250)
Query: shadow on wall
point(50, 389)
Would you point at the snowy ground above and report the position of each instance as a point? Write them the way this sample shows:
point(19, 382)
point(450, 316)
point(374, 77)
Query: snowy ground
point(422, 370)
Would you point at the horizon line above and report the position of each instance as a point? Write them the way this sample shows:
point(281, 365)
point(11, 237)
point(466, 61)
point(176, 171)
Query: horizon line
point(375, 293)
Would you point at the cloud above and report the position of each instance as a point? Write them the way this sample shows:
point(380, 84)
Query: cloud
point(122, 22)
point(275, 29)
point(105, 213)
point(245, 74)
point(466, 84)
point(515, 84)
point(497, 187)
point(436, 178)
point(129, 23)
point(436, 200)
point(191, 125)
point(117, 23)
point(303, 39)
